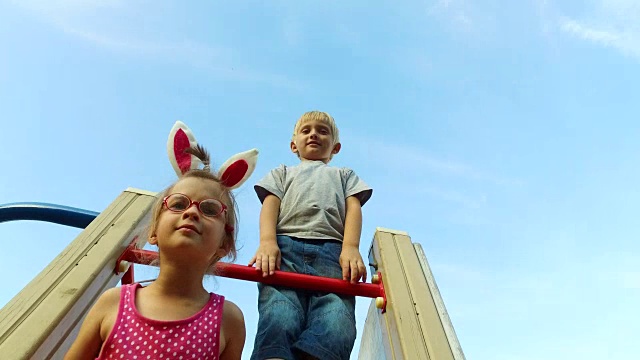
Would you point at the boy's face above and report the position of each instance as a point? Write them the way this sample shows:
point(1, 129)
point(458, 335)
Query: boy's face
point(314, 141)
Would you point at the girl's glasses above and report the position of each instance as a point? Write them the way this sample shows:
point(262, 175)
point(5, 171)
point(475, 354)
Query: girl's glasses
point(179, 203)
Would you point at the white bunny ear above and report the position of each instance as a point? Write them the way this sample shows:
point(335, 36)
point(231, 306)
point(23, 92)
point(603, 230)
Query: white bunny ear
point(238, 168)
point(180, 139)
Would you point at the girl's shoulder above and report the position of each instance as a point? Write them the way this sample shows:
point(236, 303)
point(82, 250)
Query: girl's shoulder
point(233, 330)
point(106, 309)
point(109, 300)
point(232, 312)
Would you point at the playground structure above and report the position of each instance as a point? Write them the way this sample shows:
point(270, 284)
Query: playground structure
point(407, 318)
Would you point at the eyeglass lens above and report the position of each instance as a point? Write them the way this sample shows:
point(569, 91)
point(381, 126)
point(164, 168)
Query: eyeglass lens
point(208, 207)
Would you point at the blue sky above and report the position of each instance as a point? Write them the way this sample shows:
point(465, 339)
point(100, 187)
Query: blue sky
point(502, 136)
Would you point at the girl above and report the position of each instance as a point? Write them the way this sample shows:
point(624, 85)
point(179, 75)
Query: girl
point(175, 317)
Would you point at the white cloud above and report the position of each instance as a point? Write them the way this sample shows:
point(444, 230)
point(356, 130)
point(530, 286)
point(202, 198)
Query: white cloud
point(192, 52)
point(626, 41)
point(611, 23)
point(100, 23)
point(413, 159)
point(457, 11)
point(545, 16)
point(619, 269)
point(463, 274)
point(463, 191)
point(630, 279)
point(480, 21)
point(348, 34)
point(468, 201)
point(300, 26)
point(291, 31)
point(66, 11)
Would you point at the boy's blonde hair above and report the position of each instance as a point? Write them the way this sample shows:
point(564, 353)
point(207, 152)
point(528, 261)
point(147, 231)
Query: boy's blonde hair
point(317, 116)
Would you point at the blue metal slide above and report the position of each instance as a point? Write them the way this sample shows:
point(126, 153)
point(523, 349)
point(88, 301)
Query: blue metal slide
point(58, 214)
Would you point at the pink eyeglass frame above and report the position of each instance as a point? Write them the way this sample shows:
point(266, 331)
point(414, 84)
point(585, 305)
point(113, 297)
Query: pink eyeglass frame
point(228, 228)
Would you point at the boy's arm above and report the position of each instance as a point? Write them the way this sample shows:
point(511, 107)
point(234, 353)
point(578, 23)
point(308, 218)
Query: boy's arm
point(267, 257)
point(350, 259)
point(89, 341)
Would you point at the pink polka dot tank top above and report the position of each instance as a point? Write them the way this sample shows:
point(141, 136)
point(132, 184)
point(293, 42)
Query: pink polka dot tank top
point(135, 337)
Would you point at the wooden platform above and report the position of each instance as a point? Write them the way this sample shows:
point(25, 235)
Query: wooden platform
point(42, 320)
point(416, 324)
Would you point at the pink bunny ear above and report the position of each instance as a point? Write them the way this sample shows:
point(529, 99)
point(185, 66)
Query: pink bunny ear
point(238, 168)
point(180, 139)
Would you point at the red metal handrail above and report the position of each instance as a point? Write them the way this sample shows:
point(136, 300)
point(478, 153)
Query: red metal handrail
point(279, 278)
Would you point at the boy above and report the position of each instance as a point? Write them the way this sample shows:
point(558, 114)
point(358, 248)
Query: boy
point(310, 223)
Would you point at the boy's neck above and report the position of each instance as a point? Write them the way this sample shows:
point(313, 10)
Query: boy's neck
point(311, 161)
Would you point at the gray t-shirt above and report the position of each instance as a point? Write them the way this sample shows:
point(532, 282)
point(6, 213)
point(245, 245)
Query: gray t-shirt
point(312, 198)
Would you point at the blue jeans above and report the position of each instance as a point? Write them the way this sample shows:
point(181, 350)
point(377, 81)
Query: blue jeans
point(293, 321)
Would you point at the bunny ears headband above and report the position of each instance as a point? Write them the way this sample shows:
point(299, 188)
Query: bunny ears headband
point(233, 173)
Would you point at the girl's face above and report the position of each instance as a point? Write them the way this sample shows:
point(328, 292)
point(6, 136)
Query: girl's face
point(189, 233)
